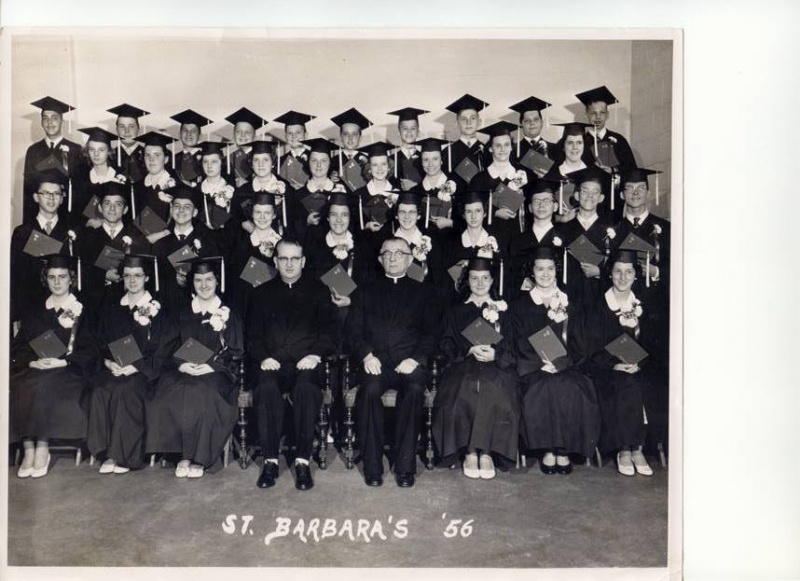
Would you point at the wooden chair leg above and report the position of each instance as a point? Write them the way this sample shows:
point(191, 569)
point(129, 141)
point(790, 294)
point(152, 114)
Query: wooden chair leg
point(78, 456)
point(349, 424)
point(91, 460)
point(226, 452)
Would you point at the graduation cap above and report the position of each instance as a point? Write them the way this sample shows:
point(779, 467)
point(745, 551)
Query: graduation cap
point(408, 198)
point(472, 196)
point(353, 116)
point(339, 199)
point(51, 104)
point(625, 255)
point(63, 261)
point(126, 110)
point(158, 139)
point(113, 188)
point(544, 252)
point(498, 129)
point(431, 144)
point(377, 149)
point(545, 186)
point(479, 263)
point(98, 135)
point(184, 192)
point(294, 118)
point(50, 176)
point(408, 114)
point(574, 128)
point(601, 94)
point(189, 117)
point(212, 147)
point(245, 115)
point(262, 146)
point(466, 102)
point(591, 173)
point(529, 104)
point(264, 199)
point(640, 174)
point(147, 262)
point(206, 264)
point(320, 145)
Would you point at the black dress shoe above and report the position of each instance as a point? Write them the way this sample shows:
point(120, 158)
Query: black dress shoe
point(304, 480)
point(404, 479)
point(547, 469)
point(373, 479)
point(268, 476)
point(564, 469)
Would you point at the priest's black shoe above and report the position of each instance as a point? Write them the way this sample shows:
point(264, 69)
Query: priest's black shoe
point(373, 479)
point(304, 480)
point(404, 479)
point(269, 473)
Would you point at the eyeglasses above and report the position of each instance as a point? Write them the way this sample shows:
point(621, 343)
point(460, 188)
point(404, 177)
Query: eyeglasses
point(544, 202)
point(289, 259)
point(630, 189)
point(51, 195)
point(389, 254)
point(590, 193)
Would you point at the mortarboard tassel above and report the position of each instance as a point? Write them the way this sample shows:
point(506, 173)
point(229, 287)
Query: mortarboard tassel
point(278, 151)
point(79, 274)
point(119, 153)
point(502, 270)
point(427, 211)
point(561, 198)
point(283, 211)
point(222, 274)
point(519, 138)
point(361, 212)
point(613, 189)
point(647, 266)
point(395, 164)
point(596, 154)
point(564, 266)
point(449, 158)
point(205, 208)
point(340, 160)
point(155, 270)
point(491, 208)
point(656, 189)
point(133, 203)
point(69, 196)
point(228, 159)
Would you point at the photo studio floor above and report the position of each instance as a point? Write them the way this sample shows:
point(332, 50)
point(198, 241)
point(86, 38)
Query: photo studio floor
point(594, 517)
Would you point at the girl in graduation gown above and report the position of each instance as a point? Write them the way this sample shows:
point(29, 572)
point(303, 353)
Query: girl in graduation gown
point(571, 156)
point(194, 408)
point(259, 245)
point(508, 223)
point(46, 392)
point(378, 196)
point(116, 409)
point(217, 195)
point(631, 395)
point(477, 408)
point(262, 156)
point(559, 407)
point(436, 190)
point(89, 179)
point(155, 191)
point(307, 202)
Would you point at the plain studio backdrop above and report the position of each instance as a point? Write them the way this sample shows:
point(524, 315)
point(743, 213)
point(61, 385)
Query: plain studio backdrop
point(216, 76)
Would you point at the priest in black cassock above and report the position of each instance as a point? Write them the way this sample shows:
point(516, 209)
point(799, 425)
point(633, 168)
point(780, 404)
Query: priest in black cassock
point(44, 233)
point(102, 248)
point(52, 152)
point(291, 328)
point(391, 330)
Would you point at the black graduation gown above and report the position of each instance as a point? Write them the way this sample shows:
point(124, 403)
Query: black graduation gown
point(520, 253)
point(622, 148)
point(83, 191)
point(241, 169)
point(368, 201)
point(507, 230)
point(583, 291)
point(116, 409)
point(624, 396)
point(201, 242)
point(559, 410)
point(189, 167)
point(302, 158)
point(298, 213)
point(70, 162)
point(550, 150)
point(131, 165)
point(239, 291)
point(454, 252)
point(93, 240)
point(242, 207)
point(47, 404)
point(477, 405)
point(222, 222)
point(458, 150)
point(336, 167)
point(408, 168)
point(456, 214)
point(148, 197)
point(194, 416)
point(26, 270)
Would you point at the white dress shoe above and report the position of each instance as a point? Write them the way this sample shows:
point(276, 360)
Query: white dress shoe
point(107, 467)
point(196, 471)
point(121, 469)
point(625, 465)
point(39, 472)
point(487, 470)
point(24, 472)
point(471, 467)
point(640, 463)
point(182, 469)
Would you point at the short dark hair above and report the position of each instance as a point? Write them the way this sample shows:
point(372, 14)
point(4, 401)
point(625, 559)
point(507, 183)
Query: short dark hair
point(288, 242)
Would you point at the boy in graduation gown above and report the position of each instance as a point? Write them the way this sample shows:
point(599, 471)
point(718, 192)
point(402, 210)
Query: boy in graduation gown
point(596, 102)
point(188, 162)
point(100, 273)
point(295, 133)
point(351, 123)
point(292, 327)
point(154, 191)
point(52, 152)
point(245, 123)
point(531, 124)
point(187, 236)
point(407, 163)
point(46, 233)
point(467, 110)
point(391, 329)
point(129, 154)
point(542, 205)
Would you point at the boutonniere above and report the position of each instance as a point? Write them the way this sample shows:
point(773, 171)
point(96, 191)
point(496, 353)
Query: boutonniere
point(445, 193)
point(656, 229)
point(629, 317)
point(64, 147)
point(490, 248)
point(611, 138)
point(120, 178)
point(197, 244)
point(218, 318)
point(277, 187)
point(557, 310)
point(519, 180)
point(145, 313)
point(390, 197)
point(557, 241)
point(491, 312)
point(338, 189)
point(165, 197)
point(167, 184)
point(223, 197)
point(68, 316)
point(71, 235)
point(126, 242)
point(341, 251)
point(420, 251)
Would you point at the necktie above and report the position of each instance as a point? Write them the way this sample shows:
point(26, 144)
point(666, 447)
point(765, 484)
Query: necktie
point(181, 237)
point(52, 146)
point(48, 227)
point(636, 222)
point(112, 233)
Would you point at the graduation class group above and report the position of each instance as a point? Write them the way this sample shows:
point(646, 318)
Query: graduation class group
point(155, 280)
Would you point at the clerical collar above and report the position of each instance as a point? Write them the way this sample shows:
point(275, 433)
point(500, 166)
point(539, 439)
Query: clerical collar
point(42, 220)
point(541, 231)
point(293, 283)
point(394, 279)
point(587, 222)
point(642, 218)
